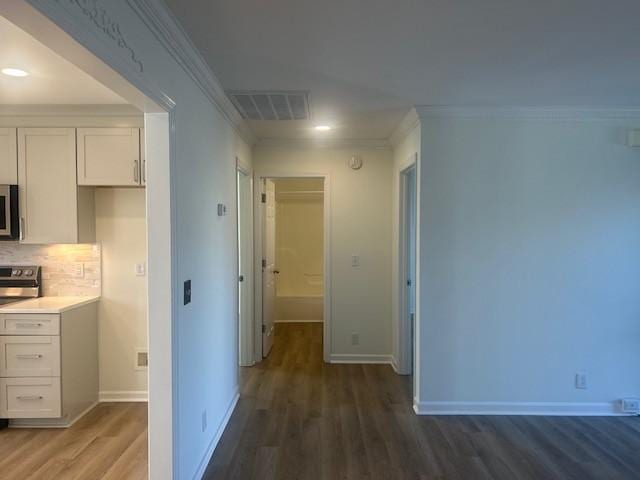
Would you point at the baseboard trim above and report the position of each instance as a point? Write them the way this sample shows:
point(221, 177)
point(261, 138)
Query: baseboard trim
point(394, 365)
point(123, 396)
point(354, 358)
point(517, 408)
point(216, 438)
point(298, 321)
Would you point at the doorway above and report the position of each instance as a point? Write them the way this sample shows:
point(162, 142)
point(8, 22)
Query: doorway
point(245, 279)
point(407, 274)
point(293, 244)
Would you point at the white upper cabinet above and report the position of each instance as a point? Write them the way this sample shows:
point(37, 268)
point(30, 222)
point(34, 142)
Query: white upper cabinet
point(49, 210)
point(8, 156)
point(109, 157)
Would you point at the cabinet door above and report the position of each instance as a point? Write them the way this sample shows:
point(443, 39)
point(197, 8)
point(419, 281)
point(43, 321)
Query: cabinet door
point(109, 156)
point(8, 156)
point(47, 180)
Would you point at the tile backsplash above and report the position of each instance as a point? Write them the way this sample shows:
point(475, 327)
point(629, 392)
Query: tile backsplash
point(67, 270)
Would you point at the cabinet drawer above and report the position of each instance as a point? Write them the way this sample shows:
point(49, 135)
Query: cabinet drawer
point(29, 356)
point(30, 398)
point(29, 324)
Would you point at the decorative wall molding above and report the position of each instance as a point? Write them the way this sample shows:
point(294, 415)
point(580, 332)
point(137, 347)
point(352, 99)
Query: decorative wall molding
point(102, 110)
point(216, 438)
point(330, 143)
point(168, 31)
point(94, 11)
point(355, 358)
point(410, 121)
point(533, 113)
point(516, 408)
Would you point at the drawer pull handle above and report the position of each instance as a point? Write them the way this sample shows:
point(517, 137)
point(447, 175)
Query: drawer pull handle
point(28, 325)
point(34, 356)
point(30, 397)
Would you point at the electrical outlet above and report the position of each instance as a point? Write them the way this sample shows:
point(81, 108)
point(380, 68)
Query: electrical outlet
point(581, 381)
point(630, 405)
point(78, 270)
point(140, 269)
point(204, 420)
point(355, 339)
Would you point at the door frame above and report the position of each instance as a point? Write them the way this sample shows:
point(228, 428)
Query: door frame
point(407, 342)
point(77, 42)
point(245, 338)
point(258, 252)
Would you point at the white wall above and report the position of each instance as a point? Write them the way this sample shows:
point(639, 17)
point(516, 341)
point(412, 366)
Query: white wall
point(529, 262)
point(204, 147)
point(360, 224)
point(406, 150)
point(121, 229)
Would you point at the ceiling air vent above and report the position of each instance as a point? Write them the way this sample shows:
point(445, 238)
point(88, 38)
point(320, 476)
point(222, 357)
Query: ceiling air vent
point(261, 105)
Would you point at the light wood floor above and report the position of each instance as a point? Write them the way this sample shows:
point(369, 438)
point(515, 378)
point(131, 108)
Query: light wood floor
point(299, 418)
point(108, 443)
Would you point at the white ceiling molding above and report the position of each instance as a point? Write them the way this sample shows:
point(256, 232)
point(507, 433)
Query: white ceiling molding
point(533, 113)
point(169, 32)
point(331, 143)
point(120, 110)
point(410, 121)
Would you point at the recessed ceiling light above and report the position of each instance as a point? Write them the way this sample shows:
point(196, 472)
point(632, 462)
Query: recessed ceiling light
point(15, 72)
point(322, 128)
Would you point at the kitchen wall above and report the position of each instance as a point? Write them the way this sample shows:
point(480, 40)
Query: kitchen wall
point(121, 230)
point(67, 270)
point(529, 261)
point(360, 224)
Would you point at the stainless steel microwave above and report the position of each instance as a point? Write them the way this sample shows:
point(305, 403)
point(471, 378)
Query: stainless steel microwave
point(9, 213)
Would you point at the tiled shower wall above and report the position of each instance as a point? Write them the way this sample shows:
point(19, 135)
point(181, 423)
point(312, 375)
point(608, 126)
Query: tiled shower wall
point(67, 270)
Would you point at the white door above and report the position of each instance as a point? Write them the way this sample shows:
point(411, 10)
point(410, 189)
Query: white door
point(109, 156)
point(47, 179)
point(269, 270)
point(245, 260)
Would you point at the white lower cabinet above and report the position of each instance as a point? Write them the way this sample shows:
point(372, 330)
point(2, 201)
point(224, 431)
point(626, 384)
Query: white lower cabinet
point(51, 379)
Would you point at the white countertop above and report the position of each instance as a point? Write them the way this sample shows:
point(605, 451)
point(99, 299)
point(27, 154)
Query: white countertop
point(47, 304)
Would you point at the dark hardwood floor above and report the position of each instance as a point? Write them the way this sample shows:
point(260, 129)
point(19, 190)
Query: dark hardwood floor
point(108, 443)
point(299, 418)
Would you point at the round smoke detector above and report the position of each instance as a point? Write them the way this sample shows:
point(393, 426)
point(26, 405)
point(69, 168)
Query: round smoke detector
point(355, 162)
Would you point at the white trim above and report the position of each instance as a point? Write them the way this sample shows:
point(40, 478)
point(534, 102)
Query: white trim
point(169, 32)
point(516, 408)
point(408, 123)
point(216, 438)
point(533, 113)
point(41, 423)
point(298, 321)
point(70, 111)
point(315, 143)
point(356, 358)
point(394, 365)
point(257, 284)
point(123, 396)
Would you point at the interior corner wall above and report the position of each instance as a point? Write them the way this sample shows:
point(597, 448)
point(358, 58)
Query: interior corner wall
point(530, 263)
point(360, 224)
point(405, 152)
point(121, 230)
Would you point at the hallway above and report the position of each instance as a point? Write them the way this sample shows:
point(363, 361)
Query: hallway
point(299, 418)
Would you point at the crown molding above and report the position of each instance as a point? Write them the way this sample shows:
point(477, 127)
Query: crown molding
point(102, 110)
point(169, 32)
point(410, 121)
point(328, 143)
point(533, 113)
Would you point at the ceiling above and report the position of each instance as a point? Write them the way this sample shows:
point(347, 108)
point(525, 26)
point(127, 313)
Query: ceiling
point(52, 80)
point(365, 62)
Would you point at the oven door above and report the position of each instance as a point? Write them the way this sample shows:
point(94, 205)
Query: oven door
point(9, 227)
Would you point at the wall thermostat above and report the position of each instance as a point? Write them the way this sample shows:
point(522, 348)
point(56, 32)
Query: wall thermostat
point(355, 162)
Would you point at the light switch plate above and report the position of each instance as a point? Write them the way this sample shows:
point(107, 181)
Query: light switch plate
point(141, 269)
point(355, 260)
